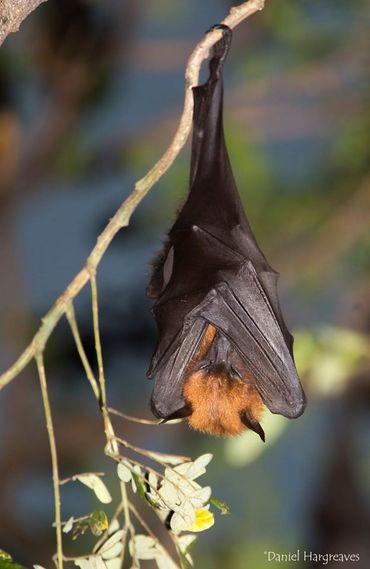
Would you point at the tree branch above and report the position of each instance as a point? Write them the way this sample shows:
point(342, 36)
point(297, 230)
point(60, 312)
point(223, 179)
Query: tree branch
point(122, 216)
point(12, 14)
point(54, 457)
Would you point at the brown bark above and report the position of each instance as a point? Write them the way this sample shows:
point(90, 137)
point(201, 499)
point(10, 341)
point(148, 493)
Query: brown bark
point(12, 14)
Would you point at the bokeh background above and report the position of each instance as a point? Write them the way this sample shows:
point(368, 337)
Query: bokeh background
point(90, 94)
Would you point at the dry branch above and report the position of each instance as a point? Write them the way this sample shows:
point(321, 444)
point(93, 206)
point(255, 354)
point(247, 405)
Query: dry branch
point(12, 14)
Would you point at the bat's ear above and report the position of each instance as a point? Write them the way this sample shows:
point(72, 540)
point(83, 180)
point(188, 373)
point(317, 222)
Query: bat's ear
point(252, 424)
point(162, 271)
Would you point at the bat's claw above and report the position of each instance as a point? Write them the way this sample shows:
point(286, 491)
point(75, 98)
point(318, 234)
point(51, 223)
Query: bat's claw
point(221, 48)
point(252, 424)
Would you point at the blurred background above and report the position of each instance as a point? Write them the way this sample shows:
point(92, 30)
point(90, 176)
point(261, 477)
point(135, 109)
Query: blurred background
point(90, 95)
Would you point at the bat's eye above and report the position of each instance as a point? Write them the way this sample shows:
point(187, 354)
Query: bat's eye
point(205, 365)
point(235, 373)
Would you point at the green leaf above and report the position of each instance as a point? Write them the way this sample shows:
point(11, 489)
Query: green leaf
point(143, 547)
point(113, 563)
point(165, 562)
point(183, 518)
point(172, 459)
point(184, 544)
point(83, 563)
point(8, 564)
point(124, 471)
point(153, 502)
point(222, 506)
point(68, 525)
point(153, 480)
point(113, 527)
point(139, 484)
point(113, 546)
point(199, 497)
point(170, 492)
point(6, 561)
point(194, 469)
point(152, 496)
point(186, 561)
point(93, 482)
point(90, 563)
point(182, 494)
point(137, 474)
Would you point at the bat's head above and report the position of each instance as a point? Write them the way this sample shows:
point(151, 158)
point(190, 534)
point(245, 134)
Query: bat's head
point(220, 393)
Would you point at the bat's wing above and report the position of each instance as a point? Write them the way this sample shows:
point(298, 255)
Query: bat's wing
point(190, 270)
point(269, 282)
point(240, 309)
point(170, 367)
point(237, 305)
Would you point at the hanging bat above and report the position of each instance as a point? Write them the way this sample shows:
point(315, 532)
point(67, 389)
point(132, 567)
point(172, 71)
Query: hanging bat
point(224, 351)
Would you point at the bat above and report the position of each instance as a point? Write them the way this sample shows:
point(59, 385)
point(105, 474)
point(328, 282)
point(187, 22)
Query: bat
point(224, 351)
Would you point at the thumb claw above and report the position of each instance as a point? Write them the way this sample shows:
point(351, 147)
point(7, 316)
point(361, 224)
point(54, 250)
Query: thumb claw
point(252, 424)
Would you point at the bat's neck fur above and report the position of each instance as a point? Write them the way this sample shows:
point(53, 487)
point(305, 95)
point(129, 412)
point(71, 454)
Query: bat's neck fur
point(218, 400)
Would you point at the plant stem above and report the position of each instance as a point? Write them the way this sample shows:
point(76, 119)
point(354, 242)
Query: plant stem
point(71, 317)
point(112, 444)
point(54, 457)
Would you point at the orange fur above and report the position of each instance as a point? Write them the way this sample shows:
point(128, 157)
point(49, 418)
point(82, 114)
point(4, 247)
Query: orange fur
point(216, 399)
point(205, 343)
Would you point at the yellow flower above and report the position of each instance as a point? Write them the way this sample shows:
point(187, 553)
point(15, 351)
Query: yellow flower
point(204, 519)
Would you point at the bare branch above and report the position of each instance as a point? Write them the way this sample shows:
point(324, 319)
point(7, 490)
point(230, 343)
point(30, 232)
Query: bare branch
point(54, 457)
point(122, 216)
point(12, 14)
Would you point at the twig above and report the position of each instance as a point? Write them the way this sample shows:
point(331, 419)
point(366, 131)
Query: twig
point(71, 317)
point(98, 348)
point(75, 477)
point(120, 458)
point(153, 455)
point(122, 217)
point(152, 535)
point(12, 14)
point(133, 419)
point(112, 444)
point(54, 457)
point(156, 422)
